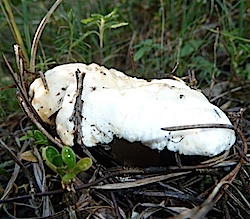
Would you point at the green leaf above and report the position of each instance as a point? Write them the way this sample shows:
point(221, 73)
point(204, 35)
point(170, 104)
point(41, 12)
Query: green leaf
point(87, 20)
point(112, 14)
point(39, 135)
point(30, 134)
point(51, 166)
point(144, 47)
point(117, 25)
point(40, 138)
point(68, 178)
point(140, 53)
point(69, 157)
point(25, 137)
point(57, 160)
point(4, 173)
point(247, 71)
point(49, 152)
point(82, 165)
point(96, 16)
point(190, 47)
point(42, 142)
point(90, 21)
point(6, 163)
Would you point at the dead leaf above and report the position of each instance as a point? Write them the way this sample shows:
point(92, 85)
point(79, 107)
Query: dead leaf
point(29, 156)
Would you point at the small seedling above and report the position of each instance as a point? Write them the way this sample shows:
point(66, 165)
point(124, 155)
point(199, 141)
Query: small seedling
point(39, 138)
point(65, 164)
point(104, 22)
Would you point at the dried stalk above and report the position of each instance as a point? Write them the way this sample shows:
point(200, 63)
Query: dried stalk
point(39, 33)
point(198, 126)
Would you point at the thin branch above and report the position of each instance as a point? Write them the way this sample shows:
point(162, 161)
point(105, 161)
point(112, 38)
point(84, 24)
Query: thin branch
point(39, 33)
point(139, 182)
point(33, 118)
point(83, 186)
point(226, 92)
point(27, 107)
point(77, 113)
point(198, 126)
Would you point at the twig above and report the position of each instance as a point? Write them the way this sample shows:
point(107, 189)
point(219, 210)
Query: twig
point(140, 182)
point(33, 118)
point(226, 92)
point(236, 200)
point(39, 33)
point(116, 207)
point(77, 113)
point(27, 107)
point(198, 126)
point(175, 67)
point(21, 68)
point(10, 184)
point(83, 186)
point(43, 80)
point(131, 53)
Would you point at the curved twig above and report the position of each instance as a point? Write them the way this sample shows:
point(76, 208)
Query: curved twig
point(39, 33)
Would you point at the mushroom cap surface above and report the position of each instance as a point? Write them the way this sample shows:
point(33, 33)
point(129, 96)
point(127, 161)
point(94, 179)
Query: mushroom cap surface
point(117, 105)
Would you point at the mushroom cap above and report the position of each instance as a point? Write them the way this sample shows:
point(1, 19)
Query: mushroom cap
point(49, 101)
point(116, 105)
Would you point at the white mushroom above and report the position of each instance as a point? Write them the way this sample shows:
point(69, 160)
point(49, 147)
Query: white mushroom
point(116, 105)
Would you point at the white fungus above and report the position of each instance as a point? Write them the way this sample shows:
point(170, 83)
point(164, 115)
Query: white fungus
point(116, 105)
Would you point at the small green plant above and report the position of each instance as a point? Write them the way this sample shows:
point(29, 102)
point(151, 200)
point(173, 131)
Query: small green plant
point(65, 164)
point(39, 138)
point(144, 48)
point(103, 22)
